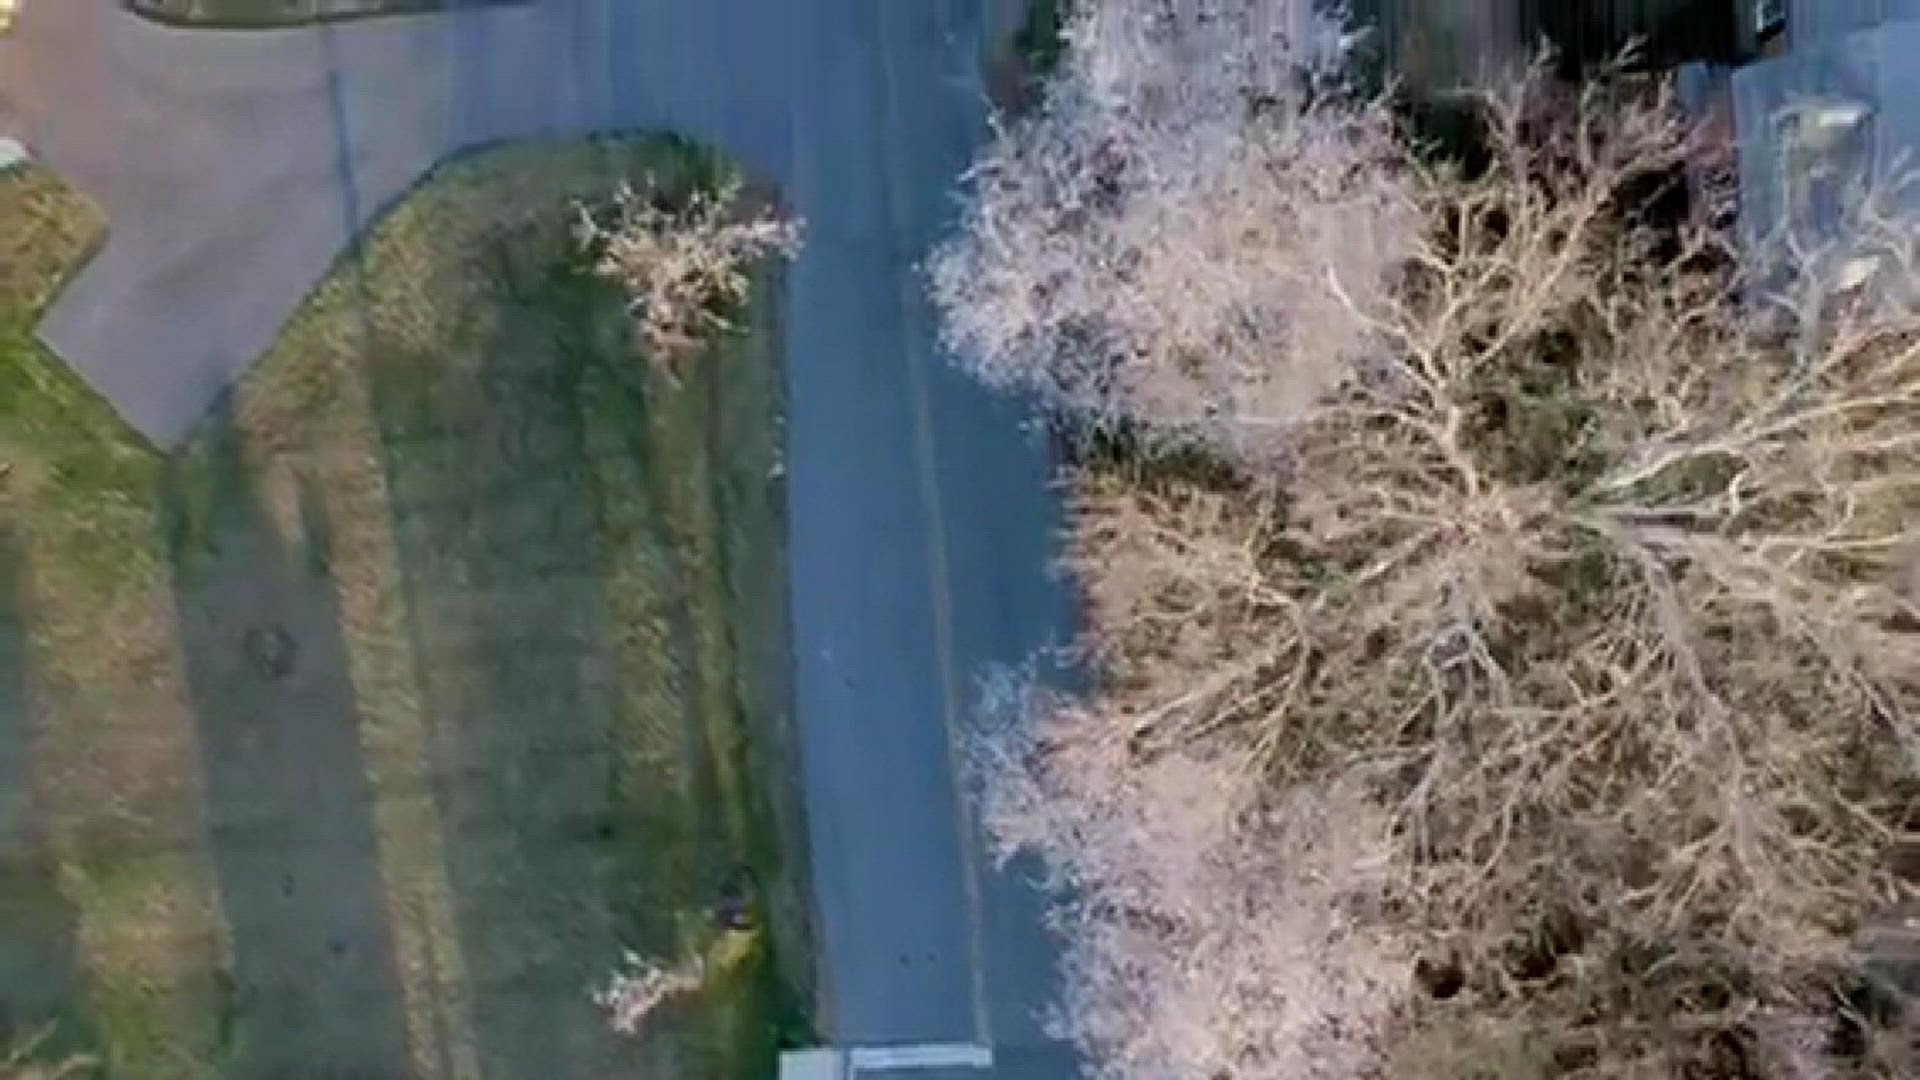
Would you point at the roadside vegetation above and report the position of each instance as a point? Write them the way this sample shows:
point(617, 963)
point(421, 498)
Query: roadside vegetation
point(1502, 592)
point(1016, 67)
point(1039, 40)
point(684, 261)
point(245, 14)
point(442, 668)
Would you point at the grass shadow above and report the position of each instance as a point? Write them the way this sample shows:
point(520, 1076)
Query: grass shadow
point(561, 566)
point(491, 503)
point(38, 966)
point(473, 612)
point(311, 987)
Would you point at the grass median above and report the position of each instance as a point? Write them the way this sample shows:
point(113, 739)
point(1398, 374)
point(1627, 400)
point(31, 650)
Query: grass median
point(444, 663)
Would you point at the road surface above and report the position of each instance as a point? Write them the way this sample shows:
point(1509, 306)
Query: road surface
point(234, 168)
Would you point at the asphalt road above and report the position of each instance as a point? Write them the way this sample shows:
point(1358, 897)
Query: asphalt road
point(235, 167)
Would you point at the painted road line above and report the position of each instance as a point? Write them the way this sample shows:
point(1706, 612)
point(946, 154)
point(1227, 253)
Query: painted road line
point(926, 460)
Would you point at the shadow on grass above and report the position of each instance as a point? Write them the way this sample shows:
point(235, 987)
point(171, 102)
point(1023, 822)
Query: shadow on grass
point(557, 530)
point(491, 498)
point(37, 960)
point(311, 989)
point(560, 634)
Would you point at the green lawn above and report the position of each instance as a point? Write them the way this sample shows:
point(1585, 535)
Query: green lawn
point(445, 662)
point(1016, 66)
point(1038, 39)
point(269, 13)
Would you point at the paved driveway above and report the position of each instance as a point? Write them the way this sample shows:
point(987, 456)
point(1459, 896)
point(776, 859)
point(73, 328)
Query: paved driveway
point(234, 168)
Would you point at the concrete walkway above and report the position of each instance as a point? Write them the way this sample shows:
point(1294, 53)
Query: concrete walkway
point(235, 167)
